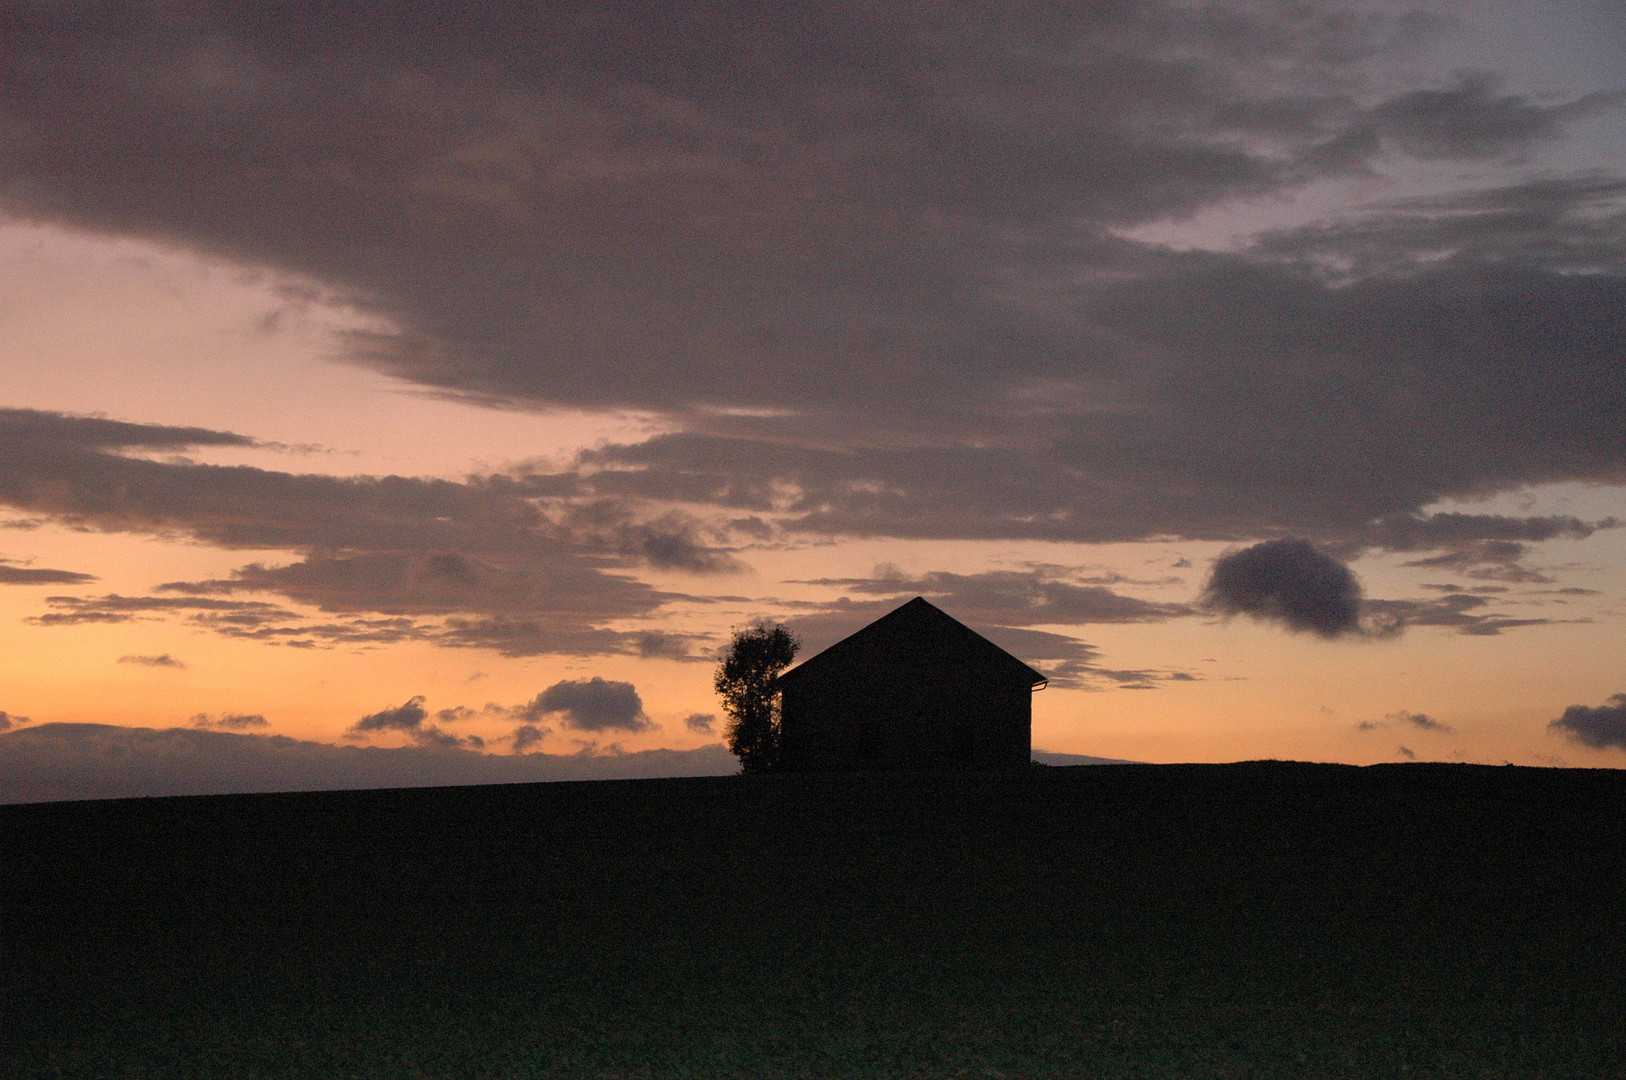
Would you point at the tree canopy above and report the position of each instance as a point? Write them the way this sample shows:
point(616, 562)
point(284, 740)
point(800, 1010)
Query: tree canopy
point(745, 682)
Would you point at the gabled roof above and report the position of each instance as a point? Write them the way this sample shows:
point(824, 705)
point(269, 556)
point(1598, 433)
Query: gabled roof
point(921, 628)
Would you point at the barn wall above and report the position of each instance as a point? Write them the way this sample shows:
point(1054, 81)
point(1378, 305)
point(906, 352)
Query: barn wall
point(860, 715)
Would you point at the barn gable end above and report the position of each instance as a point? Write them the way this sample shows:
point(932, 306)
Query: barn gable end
point(914, 689)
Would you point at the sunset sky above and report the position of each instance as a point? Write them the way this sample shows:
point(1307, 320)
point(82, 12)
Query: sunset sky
point(448, 380)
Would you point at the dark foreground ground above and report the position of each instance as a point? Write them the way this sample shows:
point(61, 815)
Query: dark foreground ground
point(1254, 920)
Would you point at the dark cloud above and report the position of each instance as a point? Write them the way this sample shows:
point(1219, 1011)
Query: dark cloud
point(458, 713)
point(409, 719)
point(1065, 661)
point(299, 633)
point(1004, 606)
point(663, 645)
point(362, 533)
point(581, 143)
point(1228, 433)
point(163, 660)
point(594, 704)
point(1288, 582)
point(668, 541)
point(11, 720)
point(433, 736)
point(1487, 560)
point(230, 721)
point(1595, 726)
point(432, 583)
point(703, 723)
point(96, 761)
point(1468, 119)
point(1413, 532)
point(1462, 612)
point(1012, 597)
point(673, 551)
point(27, 575)
point(869, 268)
point(71, 610)
point(1561, 225)
point(1419, 720)
point(527, 736)
point(1406, 753)
point(532, 637)
point(21, 428)
point(480, 551)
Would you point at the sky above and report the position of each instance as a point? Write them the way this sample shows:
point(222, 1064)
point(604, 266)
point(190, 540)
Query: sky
point(420, 392)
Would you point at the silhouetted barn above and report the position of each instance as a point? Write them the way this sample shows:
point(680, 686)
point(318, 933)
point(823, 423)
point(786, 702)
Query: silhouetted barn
point(914, 689)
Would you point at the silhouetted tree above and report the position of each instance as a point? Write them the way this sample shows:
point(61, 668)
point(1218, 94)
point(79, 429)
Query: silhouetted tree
point(745, 683)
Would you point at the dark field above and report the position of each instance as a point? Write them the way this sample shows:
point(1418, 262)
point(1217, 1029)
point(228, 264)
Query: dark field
point(1254, 920)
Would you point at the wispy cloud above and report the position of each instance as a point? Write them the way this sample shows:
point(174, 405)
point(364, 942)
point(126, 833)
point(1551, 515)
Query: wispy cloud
point(31, 575)
point(230, 721)
point(161, 660)
point(1419, 720)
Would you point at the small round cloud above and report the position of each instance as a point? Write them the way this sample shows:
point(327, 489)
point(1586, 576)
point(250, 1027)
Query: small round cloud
point(1289, 582)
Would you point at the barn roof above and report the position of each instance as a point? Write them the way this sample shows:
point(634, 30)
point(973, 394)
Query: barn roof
point(917, 628)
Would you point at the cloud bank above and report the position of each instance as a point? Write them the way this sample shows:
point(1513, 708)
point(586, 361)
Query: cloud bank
point(96, 761)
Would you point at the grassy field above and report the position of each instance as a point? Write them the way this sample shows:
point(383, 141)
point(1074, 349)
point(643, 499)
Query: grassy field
point(1251, 920)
